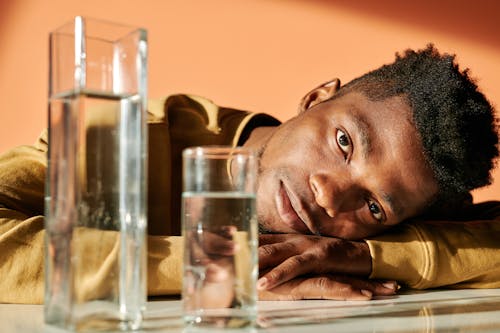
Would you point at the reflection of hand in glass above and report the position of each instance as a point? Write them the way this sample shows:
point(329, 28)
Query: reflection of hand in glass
point(213, 253)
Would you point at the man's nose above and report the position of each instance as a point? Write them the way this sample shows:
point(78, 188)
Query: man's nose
point(330, 194)
point(322, 187)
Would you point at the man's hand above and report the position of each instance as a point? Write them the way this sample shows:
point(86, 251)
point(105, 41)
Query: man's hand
point(328, 286)
point(211, 266)
point(287, 256)
point(307, 267)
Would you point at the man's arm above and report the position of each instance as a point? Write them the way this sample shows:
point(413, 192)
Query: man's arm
point(22, 177)
point(461, 254)
point(22, 235)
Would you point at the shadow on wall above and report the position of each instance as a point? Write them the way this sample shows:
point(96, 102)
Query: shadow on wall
point(474, 20)
point(5, 6)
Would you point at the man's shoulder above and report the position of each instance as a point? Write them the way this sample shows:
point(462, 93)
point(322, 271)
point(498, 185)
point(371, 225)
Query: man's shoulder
point(161, 109)
point(468, 211)
point(488, 210)
point(199, 120)
point(462, 209)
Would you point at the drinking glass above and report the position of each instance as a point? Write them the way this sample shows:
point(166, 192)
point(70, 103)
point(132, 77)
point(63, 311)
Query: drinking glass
point(220, 233)
point(95, 203)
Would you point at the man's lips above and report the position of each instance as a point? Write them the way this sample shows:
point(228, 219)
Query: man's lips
point(287, 213)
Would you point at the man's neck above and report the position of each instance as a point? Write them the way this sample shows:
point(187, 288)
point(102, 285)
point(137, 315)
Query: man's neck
point(259, 137)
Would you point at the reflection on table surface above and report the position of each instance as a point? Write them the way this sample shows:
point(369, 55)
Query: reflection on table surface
point(466, 310)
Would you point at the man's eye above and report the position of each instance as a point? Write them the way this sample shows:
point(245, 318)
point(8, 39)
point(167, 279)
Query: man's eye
point(344, 142)
point(375, 210)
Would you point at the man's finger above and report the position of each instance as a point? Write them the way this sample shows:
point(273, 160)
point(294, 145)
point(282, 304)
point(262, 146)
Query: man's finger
point(319, 287)
point(214, 244)
point(381, 288)
point(274, 254)
point(227, 231)
point(218, 271)
point(265, 239)
point(287, 270)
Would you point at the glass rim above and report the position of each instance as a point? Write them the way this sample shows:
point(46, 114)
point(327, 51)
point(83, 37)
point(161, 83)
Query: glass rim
point(218, 152)
point(125, 29)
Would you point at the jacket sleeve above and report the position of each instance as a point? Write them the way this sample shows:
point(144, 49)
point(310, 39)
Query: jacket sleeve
point(457, 254)
point(22, 235)
point(22, 177)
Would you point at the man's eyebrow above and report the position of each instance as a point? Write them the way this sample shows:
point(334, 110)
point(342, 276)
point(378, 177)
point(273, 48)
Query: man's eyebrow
point(363, 129)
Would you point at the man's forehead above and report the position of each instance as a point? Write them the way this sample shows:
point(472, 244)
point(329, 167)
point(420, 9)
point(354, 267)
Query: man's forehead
point(361, 100)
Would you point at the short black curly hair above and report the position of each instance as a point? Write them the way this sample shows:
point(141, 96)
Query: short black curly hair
point(455, 121)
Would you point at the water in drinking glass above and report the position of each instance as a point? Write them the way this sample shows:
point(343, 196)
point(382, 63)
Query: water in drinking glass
point(220, 268)
point(220, 233)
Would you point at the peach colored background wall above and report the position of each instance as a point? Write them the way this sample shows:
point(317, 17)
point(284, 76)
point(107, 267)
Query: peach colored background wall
point(257, 54)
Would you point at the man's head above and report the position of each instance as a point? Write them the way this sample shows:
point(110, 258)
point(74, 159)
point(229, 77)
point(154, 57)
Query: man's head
point(454, 119)
point(381, 149)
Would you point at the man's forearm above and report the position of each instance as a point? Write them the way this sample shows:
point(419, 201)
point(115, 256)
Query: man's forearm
point(441, 253)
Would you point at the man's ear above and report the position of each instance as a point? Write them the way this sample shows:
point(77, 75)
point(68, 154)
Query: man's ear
point(319, 94)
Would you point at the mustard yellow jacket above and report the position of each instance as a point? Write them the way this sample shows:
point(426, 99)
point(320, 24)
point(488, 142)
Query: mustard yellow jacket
point(421, 254)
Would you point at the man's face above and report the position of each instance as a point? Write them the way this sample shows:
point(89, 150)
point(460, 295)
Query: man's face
point(347, 167)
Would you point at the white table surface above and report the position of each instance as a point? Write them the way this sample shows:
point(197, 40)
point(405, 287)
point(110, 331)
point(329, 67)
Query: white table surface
point(427, 311)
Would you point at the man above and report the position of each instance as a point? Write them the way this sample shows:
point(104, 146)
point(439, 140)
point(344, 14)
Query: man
point(354, 163)
point(345, 178)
